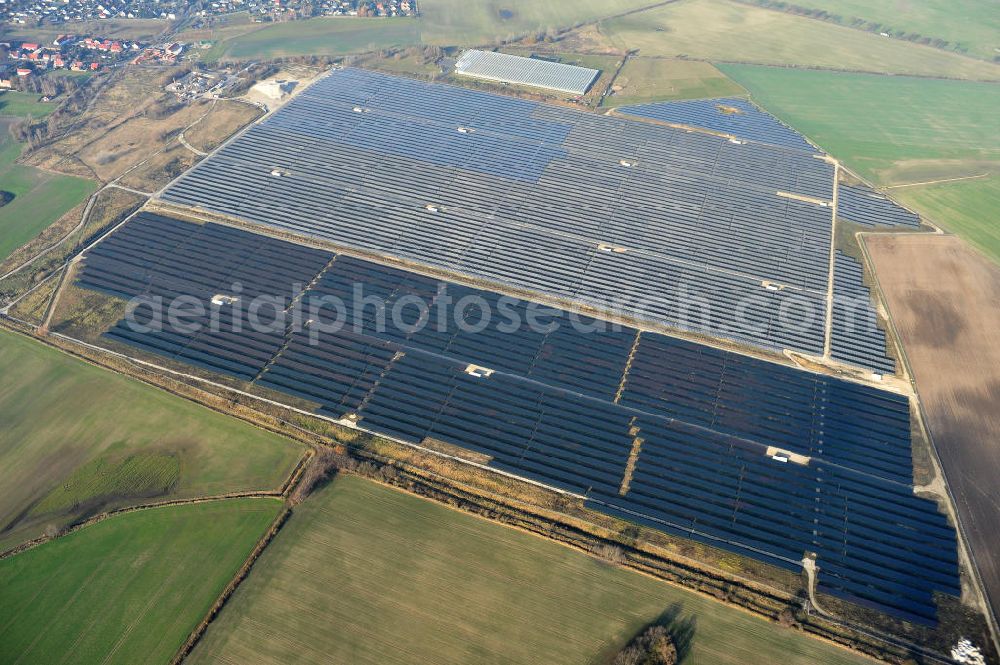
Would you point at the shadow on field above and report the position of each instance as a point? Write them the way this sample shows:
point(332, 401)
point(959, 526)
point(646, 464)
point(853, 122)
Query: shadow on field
point(681, 628)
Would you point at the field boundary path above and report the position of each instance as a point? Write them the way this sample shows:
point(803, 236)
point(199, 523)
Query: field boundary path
point(935, 182)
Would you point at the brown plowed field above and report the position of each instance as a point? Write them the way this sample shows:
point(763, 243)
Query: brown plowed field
point(945, 301)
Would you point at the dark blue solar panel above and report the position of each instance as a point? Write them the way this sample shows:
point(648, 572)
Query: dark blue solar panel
point(736, 117)
point(863, 205)
point(855, 336)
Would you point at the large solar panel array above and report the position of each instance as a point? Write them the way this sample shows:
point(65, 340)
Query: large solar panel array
point(673, 227)
point(662, 431)
point(854, 335)
point(863, 205)
point(505, 68)
point(160, 257)
point(732, 116)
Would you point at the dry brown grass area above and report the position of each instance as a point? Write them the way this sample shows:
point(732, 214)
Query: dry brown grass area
point(225, 119)
point(943, 297)
point(160, 169)
point(130, 119)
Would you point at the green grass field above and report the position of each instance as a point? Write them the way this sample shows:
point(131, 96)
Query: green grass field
point(970, 23)
point(129, 589)
point(76, 438)
point(142, 474)
point(719, 30)
point(320, 36)
point(899, 130)
point(366, 574)
point(970, 208)
point(40, 197)
point(458, 22)
point(23, 104)
point(646, 80)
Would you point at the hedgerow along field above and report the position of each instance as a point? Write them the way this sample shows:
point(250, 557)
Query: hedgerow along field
point(39, 197)
point(129, 589)
point(899, 131)
point(971, 24)
point(363, 573)
point(725, 31)
point(78, 439)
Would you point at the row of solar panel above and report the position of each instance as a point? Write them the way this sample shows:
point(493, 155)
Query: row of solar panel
point(865, 206)
point(364, 92)
point(855, 336)
point(689, 296)
point(733, 116)
point(683, 217)
point(851, 425)
point(809, 414)
point(358, 166)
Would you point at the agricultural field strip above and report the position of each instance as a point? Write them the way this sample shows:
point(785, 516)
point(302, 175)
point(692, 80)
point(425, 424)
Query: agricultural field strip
point(490, 187)
point(855, 336)
point(730, 115)
point(415, 388)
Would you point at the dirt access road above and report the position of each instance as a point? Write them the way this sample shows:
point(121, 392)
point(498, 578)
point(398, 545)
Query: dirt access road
point(944, 298)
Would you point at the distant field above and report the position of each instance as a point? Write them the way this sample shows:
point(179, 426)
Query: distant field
point(459, 22)
point(366, 574)
point(653, 79)
point(129, 589)
point(142, 29)
point(40, 197)
point(973, 24)
point(319, 36)
point(896, 130)
point(719, 30)
point(441, 22)
point(76, 437)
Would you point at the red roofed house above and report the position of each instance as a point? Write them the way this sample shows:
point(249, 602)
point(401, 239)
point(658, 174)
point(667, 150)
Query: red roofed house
point(94, 66)
point(27, 46)
point(23, 71)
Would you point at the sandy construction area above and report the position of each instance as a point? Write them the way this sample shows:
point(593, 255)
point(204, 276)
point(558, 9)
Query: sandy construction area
point(945, 301)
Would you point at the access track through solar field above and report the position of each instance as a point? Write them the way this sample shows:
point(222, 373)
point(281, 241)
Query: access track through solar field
point(752, 456)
